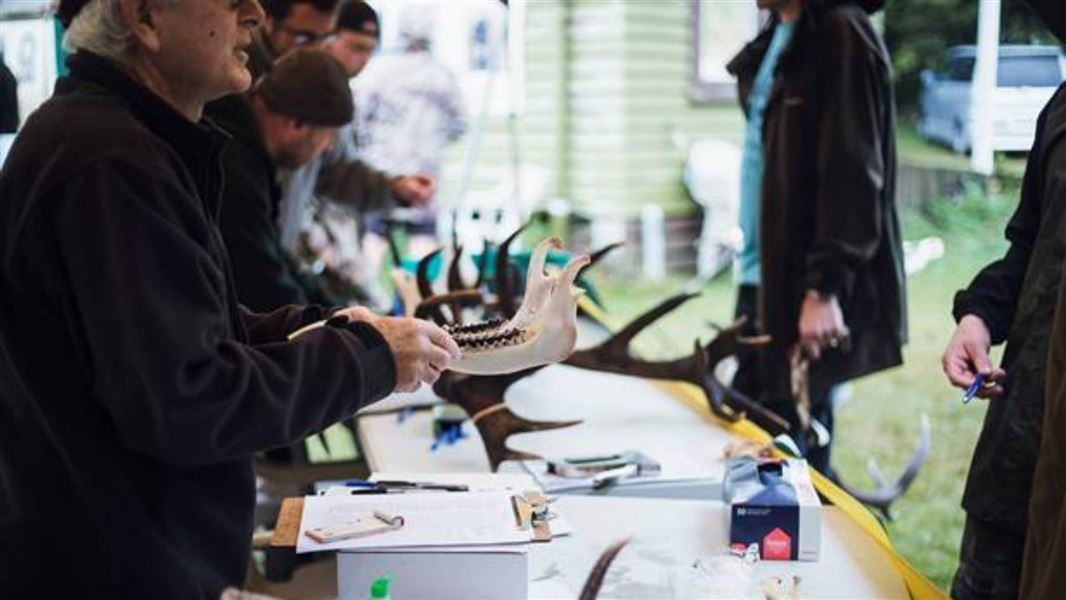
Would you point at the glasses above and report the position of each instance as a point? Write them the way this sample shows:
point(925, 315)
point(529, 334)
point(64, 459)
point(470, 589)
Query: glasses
point(303, 37)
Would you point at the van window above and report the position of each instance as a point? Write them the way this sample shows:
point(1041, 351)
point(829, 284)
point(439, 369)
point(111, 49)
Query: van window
point(961, 69)
point(1029, 71)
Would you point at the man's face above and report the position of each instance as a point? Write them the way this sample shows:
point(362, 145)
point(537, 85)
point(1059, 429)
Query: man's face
point(303, 143)
point(303, 26)
point(352, 49)
point(203, 45)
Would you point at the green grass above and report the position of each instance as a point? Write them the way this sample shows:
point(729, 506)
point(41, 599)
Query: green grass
point(881, 419)
point(912, 148)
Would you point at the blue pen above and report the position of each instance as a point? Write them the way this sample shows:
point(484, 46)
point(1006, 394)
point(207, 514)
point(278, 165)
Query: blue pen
point(360, 483)
point(971, 391)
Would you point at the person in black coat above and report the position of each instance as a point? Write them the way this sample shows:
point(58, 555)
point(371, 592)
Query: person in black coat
point(1013, 300)
point(134, 389)
point(288, 119)
point(831, 291)
point(9, 99)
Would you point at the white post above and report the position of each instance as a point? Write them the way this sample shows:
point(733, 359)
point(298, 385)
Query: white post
point(653, 241)
point(984, 85)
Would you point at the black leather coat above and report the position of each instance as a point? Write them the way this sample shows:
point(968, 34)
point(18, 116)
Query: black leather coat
point(828, 214)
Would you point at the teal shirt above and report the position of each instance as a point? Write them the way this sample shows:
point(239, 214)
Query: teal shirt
point(751, 166)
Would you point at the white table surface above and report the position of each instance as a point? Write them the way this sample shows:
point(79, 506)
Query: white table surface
point(628, 413)
point(669, 535)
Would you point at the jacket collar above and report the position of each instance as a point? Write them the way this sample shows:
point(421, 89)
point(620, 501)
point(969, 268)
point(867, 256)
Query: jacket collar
point(197, 144)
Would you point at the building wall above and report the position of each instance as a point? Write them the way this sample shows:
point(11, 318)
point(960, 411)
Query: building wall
point(607, 106)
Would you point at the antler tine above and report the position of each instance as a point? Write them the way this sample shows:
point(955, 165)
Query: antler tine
point(720, 396)
point(618, 344)
point(729, 342)
point(430, 307)
point(480, 395)
point(455, 278)
point(425, 286)
point(884, 496)
point(482, 265)
point(591, 589)
point(505, 291)
point(598, 255)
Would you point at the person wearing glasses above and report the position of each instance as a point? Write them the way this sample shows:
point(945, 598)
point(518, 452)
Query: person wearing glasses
point(290, 24)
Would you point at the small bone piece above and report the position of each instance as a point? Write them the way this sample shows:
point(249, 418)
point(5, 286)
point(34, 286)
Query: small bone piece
point(776, 588)
point(747, 448)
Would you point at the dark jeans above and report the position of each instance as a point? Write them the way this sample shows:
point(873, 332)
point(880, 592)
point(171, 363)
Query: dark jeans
point(746, 381)
point(990, 563)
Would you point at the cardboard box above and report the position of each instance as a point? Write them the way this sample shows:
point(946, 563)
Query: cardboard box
point(773, 504)
point(470, 573)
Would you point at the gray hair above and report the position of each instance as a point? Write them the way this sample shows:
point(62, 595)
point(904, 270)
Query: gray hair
point(99, 28)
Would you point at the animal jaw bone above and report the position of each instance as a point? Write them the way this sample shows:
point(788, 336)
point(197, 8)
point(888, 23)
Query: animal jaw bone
point(482, 397)
point(535, 336)
point(614, 356)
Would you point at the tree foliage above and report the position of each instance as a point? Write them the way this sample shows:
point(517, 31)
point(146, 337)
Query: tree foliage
point(918, 32)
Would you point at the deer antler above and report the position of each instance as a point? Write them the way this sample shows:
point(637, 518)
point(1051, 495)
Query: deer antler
point(505, 284)
point(884, 495)
point(482, 397)
point(614, 356)
point(455, 277)
point(455, 301)
point(592, 586)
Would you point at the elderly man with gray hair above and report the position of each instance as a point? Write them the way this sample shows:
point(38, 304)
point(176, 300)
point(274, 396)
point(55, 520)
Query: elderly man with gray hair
point(133, 387)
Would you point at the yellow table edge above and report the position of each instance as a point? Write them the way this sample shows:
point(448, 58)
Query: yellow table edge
point(918, 585)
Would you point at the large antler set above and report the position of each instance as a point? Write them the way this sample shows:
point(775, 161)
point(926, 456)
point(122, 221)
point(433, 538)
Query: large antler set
point(498, 351)
point(699, 369)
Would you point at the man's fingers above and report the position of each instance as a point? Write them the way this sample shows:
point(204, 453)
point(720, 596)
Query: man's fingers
point(441, 339)
point(958, 370)
point(991, 391)
point(978, 355)
point(439, 359)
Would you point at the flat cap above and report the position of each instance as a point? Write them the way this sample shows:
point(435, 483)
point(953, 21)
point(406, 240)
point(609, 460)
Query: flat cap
point(308, 85)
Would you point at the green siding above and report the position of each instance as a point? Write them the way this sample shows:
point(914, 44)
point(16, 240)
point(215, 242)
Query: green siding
point(607, 92)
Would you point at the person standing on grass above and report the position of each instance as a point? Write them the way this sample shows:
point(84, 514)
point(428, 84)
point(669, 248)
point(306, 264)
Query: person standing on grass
point(1043, 575)
point(1012, 300)
point(825, 263)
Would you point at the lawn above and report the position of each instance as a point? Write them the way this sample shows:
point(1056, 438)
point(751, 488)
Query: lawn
point(881, 418)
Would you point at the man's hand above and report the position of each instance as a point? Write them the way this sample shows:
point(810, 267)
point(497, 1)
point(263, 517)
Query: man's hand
point(967, 355)
point(421, 350)
point(821, 324)
point(358, 313)
point(415, 190)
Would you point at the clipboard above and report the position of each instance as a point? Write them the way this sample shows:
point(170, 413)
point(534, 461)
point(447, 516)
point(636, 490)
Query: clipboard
point(536, 518)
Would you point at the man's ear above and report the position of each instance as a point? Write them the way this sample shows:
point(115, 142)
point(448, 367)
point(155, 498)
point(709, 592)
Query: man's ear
point(141, 16)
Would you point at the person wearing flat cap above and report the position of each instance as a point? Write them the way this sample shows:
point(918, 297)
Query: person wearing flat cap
point(318, 215)
point(134, 388)
point(288, 119)
point(1012, 300)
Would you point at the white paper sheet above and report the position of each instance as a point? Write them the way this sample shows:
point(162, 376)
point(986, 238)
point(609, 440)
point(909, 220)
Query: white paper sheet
point(431, 519)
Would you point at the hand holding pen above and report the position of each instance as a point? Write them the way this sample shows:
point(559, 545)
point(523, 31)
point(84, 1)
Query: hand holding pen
point(966, 363)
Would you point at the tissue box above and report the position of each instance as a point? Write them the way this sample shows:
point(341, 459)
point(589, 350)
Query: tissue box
point(459, 573)
point(773, 504)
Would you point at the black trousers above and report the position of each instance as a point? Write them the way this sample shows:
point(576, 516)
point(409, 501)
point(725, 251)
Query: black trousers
point(747, 381)
point(990, 563)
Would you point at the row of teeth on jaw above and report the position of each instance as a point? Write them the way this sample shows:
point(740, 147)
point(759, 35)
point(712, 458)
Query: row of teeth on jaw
point(471, 328)
point(490, 339)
